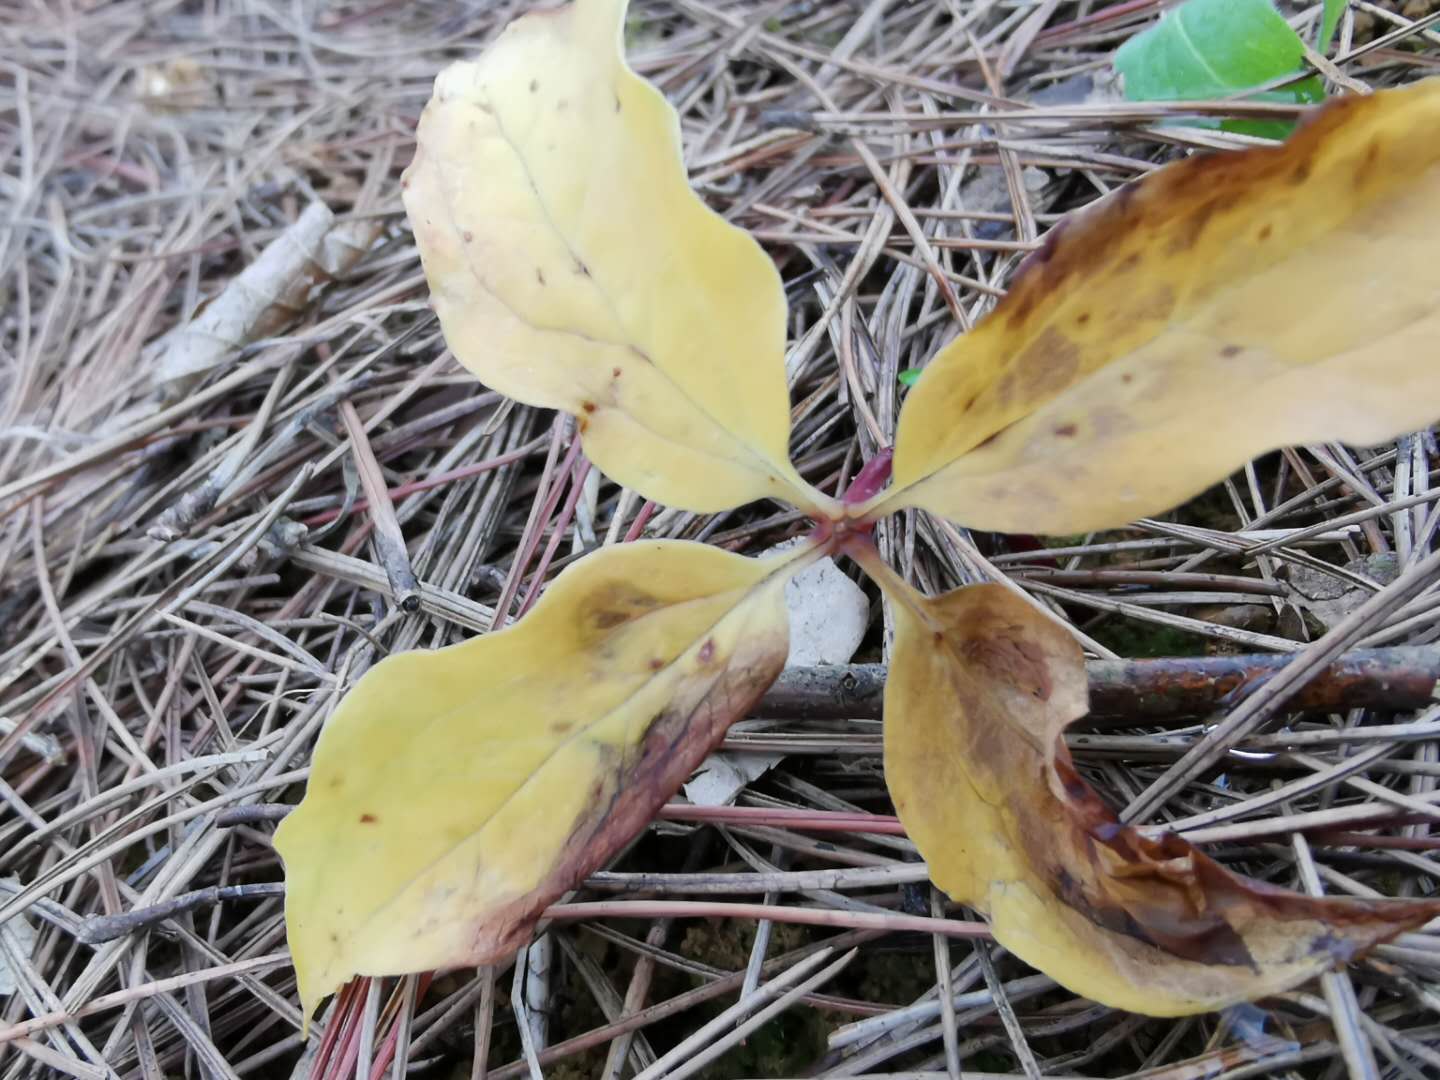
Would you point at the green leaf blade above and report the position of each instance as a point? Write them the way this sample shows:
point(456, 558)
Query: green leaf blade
point(1216, 48)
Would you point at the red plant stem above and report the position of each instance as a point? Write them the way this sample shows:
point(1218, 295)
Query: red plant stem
point(698, 909)
point(809, 820)
point(429, 482)
point(638, 525)
point(342, 1019)
point(387, 1049)
point(552, 483)
point(577, 488)
point(1095, 18)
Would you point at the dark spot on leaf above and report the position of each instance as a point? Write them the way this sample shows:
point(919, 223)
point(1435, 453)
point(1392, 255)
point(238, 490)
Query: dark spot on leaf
point(617, 103)
point(1066, 431)
point(615, 373)
point(561, 105)
point(469, 236)
point(614, 604)
point(368, 819)
point(707, 651)
point(534, 85)
point(561, 727)
point(1231, 350)
point(540, 275)
point(589, 406)
point(970, 403)
point(1127, 378)
point(1264, 233)
point(581, 268)
point(1130, 262)
point(656, 663)
point(1301, 172)
point(1082, 318)
point(939, 637)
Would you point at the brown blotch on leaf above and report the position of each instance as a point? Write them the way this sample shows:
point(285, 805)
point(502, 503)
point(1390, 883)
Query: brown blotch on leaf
point(1022, 301)
point(656, 663)
point(540, 275)
point(368, 819)
point(1188, 230)
point(468, 235)
point(707, 651)
point(1369, 163)
point(1009, 657)
point(1082, 318)
point(617, 603)
point(1264, 233)
point(1154, 305)
point(1129, 263)
point(589, 406)
point(1301, 172)
point(561, 727)
point(1066, 431)
point(615, 373)
point(1047, 366)
point(1232, 350)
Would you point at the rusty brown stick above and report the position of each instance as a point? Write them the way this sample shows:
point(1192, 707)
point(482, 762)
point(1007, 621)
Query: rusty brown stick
point(1130, 691)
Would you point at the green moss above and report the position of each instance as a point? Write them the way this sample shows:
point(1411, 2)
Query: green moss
point(1140, 640)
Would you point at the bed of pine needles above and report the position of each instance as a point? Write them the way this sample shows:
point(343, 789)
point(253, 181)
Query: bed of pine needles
point(195, 567)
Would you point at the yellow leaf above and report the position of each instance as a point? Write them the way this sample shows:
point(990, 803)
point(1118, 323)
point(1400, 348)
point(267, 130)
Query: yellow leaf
point(572, 267)
point(980, 690)
point(456, 793)
point(1220, 307)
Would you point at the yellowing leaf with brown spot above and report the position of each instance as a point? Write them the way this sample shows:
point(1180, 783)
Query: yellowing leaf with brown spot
point(1223, 306)
point(456, 793)
point(980, 690)
point(572, 266)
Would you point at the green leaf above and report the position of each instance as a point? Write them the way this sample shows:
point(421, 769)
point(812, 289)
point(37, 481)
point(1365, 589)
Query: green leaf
point(1329, 19)
point(1214, 48)
point(910, 376)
